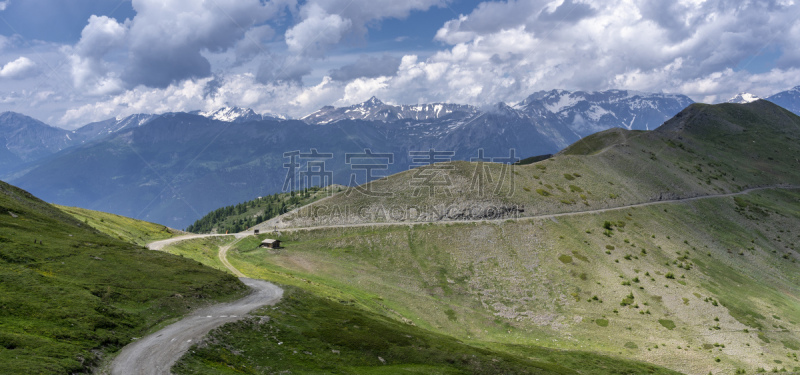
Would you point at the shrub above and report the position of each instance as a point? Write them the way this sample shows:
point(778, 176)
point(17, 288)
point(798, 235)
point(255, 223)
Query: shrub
point(670, 275)
point(569, 176)
point(576, 189)
point(627, 300)
point(668, 324)
point(543, 192)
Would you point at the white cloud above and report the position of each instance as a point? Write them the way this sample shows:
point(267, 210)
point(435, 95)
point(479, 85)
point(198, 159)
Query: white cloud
point(361, 89)
point(316, 32)
point(20, 68)
point(325, 23)
point(506, 50)
point(210, 94)
point(4, 5)
point(89, 71)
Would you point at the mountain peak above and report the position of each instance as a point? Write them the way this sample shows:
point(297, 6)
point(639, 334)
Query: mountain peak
point(373, 101)
point(232, 114)
point(742, 98)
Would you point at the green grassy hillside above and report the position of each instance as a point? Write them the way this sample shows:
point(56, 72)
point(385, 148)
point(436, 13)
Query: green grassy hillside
point(308, 334)
point(70, 294)
point(667, 284)
point(121, 227)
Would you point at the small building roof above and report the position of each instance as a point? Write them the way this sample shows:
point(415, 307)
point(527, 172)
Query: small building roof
point(269, 240)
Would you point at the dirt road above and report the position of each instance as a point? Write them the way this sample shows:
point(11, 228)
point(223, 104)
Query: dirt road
point(542, 216)
point(156, 353)
point(159, 245)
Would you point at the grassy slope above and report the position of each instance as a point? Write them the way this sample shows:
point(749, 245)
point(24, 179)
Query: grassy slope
point(69, 293)
point(309, 334)
point(704, 150)
point(510, 285)
point(203, 250)
point(121, 227)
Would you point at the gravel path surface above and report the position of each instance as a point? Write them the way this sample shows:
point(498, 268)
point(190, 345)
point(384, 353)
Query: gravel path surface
point(156, 353)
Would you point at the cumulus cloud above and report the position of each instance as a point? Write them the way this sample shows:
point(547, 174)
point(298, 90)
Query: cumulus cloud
point(253, 44)
point(325, 23)
point(516, 47)
point(209, 94)
point(367, 67)
point(290, 69)
point(167, 38)
point(89, 71)
point(20, 68)
point(316, 32)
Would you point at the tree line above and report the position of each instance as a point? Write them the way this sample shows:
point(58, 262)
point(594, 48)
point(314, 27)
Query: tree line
point(241, 216)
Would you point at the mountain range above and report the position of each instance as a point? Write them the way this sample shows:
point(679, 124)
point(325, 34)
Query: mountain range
point(173, 168)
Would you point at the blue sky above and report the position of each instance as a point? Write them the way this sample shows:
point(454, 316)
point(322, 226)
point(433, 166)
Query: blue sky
point(69, 62)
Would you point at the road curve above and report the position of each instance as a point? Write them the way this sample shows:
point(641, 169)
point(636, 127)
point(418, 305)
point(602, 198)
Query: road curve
point(159, 245)
point(223, 257)
point(156, 353)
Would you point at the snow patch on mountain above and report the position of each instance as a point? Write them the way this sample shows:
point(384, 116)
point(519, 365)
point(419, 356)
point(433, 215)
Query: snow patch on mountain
point(237, 114)
point(376, 110)
point(743, 98)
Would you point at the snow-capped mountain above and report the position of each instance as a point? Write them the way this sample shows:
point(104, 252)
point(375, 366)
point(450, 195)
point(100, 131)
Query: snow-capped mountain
point(376, 110)
point(589, 112)
point(560, 116)
point(236, 114)
point(789, 99)
point(743, 98)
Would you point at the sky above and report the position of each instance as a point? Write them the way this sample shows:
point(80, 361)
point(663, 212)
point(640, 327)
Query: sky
point(72, 62)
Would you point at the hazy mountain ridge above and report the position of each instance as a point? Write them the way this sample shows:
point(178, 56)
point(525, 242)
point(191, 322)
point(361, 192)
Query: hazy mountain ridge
point(103, 128)
point(789, 99)
point(25, 139)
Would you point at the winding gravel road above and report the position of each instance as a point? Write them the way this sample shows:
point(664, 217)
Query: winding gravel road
point(156, 353)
